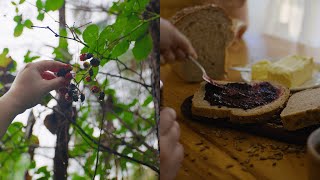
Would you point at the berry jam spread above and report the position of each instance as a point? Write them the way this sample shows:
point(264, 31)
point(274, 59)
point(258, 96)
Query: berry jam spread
point(241, 95)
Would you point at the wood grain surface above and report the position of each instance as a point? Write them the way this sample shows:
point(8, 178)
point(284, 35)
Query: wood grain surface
point(218, 153)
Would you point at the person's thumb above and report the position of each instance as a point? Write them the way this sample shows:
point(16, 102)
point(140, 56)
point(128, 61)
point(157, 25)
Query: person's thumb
point(55, 83)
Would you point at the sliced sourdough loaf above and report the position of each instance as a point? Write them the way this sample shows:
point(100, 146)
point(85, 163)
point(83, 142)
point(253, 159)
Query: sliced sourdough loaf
point(210, 31)
point(257, 114)
point(302, 110)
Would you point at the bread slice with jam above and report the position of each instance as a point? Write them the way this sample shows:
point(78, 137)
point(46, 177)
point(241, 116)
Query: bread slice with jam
point(254, 102)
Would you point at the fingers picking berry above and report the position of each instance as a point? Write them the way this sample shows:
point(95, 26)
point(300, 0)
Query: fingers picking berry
point(68, 67)
point(61, 73)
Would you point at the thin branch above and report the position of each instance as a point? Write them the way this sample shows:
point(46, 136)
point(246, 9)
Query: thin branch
point(105, 148)
point(99, 142)
point(147, 86)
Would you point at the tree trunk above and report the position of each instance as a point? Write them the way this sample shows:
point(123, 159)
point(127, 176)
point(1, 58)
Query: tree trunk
point(154, 60)
point(61, 151)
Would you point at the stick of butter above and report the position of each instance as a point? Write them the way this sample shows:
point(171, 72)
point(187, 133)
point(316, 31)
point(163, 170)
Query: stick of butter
point(259, 70)
point(291, 71)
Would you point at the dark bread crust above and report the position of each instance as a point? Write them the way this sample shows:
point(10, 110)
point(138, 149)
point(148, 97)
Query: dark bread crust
point(201, 107)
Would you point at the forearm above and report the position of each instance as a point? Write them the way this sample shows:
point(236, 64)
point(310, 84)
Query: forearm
point(8, 111)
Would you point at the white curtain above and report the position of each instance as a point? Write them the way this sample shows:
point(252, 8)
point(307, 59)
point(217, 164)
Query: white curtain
point(295, 20)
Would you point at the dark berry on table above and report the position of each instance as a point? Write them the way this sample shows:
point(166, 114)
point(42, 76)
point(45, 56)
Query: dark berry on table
point(75, 98)
point(88, 78)
point(86, 65)
point(73, 86)
point(82, 97)
point(101, 96)
point(89, 55)
point(62, 73)
point(95, 89)
point(63, 90)
point(95, 62)
point(91, 72)
point(68, 76)
point(83, 57)
point(67, 97)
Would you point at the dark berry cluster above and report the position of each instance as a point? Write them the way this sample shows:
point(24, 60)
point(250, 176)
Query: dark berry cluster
point(65, 72)
point(95, 62)
point(72, 93)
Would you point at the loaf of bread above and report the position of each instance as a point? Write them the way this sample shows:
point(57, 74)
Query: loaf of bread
point(302, 110)
point(210, 31)
point(258, 114)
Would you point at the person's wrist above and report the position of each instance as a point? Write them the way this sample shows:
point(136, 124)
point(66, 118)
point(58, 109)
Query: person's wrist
point(12, 100)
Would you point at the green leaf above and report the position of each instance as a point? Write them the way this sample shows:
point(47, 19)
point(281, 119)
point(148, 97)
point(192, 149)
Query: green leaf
point(21, 1)
point(90, 34)
point(142, 47)
point(13, 3)
point(28, 58)
point(52, 5)
point(18, 19)
point(139, 32)
point(43, 170)
point(18, 30)
point(120, 48)
point(28, 23)
point(1, 85)
point(40, 16)
point(39, 4)
point(147, 101)
point(4, 60)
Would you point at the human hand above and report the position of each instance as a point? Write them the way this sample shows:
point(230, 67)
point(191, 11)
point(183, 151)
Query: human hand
point(34, 82)
point(173, 44)
point(171, 151)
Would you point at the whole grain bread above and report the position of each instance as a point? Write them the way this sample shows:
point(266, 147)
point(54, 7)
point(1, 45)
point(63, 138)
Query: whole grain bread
point(201, 107)
point(210, 31)
point(302, 110)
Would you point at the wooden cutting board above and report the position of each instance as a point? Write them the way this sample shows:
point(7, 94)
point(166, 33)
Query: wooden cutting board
point(272, 129)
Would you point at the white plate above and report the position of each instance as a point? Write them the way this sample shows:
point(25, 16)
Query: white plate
point(312, 83)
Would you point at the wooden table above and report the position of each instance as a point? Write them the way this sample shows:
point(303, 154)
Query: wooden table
point(213, 153)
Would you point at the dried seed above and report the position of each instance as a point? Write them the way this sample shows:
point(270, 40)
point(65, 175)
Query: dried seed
point(263, 158)
point(229, 166)
point(274, 164)
point(199, 143)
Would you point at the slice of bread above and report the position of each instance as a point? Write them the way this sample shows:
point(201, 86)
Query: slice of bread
point(210, 31)
point(201, 107)
point(302, 110)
